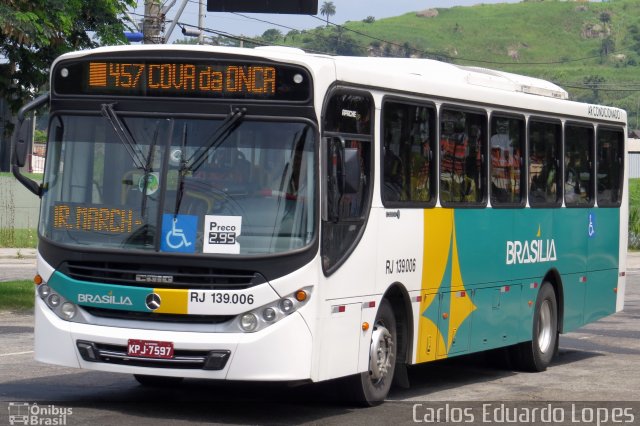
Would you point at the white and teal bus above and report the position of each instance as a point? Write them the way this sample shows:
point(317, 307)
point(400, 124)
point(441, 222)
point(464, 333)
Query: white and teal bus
point(271, 215)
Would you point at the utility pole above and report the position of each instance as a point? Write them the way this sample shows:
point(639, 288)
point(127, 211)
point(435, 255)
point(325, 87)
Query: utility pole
point(201, 22)
point(153, 22)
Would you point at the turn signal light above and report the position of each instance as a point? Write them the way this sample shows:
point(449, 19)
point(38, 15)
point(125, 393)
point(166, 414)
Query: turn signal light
point(365, 326)
point(37, 280)
point(301, 295)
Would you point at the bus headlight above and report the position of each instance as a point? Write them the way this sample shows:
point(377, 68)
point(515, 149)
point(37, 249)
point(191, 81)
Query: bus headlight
point(264, 316)
point(249, 322)
point(53, 300)
point(44, 291)
point(269, 314)
point(68, 310)
point(286, 306)
point(58, 304)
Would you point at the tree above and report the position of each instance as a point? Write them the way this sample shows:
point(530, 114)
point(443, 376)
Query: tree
point(327, 9)
point(605, 17)
point(272, 35)
point(34, 32)
point(334, 42)
point(594, 82)
point(607, 47)
point(292, 35)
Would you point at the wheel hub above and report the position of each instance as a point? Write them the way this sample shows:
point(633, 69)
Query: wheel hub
point(544, 327)
point(381, 353)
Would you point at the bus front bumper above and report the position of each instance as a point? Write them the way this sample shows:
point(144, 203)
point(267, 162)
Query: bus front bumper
point(281, 352)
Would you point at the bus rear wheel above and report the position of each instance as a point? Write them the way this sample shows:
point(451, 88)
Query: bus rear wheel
point(536, 354)
point(371, 387)
point(157, 381)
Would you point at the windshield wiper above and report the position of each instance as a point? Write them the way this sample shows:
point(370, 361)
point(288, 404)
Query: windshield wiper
point(182, 172)
point(148, 169)
point(125, 136)
point(228, 126)
point(230, 123)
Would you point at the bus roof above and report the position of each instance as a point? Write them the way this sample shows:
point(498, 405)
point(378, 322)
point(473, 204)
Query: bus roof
point(440, 80)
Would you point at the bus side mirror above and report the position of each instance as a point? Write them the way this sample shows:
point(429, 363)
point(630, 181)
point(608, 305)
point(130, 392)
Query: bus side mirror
point(22, 137)
point(351, 171)
point(21, 142)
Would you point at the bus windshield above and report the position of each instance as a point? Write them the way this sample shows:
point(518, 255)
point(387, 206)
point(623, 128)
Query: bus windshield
point(226, 185)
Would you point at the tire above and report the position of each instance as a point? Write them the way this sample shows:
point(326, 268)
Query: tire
point(157, 381)
point(536, 354)
point(371, 387)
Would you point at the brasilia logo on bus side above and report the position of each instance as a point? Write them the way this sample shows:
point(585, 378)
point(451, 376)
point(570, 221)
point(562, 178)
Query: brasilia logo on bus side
point(532, 251)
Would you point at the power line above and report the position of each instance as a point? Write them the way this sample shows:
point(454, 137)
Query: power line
point(423, 52)
point(264, 21)
point(595, 87)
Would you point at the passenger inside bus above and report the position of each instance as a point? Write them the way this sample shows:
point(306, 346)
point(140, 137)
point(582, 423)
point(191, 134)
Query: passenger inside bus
point(456, 183)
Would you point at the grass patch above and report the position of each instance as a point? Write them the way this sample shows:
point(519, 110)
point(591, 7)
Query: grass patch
point(634, 214)
point(33, 176)
point(22, 238)
point(634, 192)
point(16, 295)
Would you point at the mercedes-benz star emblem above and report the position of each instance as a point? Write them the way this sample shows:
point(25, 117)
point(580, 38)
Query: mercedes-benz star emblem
point(153, 301)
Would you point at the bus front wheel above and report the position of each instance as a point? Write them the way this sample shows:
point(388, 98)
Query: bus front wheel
point(536, 354)
point(371, 387)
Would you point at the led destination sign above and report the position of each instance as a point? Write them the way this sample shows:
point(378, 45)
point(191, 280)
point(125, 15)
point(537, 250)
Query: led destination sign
point(189, 79)
point(109, 220)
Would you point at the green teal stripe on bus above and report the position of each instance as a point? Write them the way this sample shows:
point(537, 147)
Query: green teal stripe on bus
point(99, 295)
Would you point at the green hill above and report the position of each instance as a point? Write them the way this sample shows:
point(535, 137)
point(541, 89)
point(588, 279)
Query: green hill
point(590, 49)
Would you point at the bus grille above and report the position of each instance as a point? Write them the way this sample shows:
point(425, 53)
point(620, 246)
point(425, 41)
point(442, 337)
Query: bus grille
point(152, 316)
point(187, 277)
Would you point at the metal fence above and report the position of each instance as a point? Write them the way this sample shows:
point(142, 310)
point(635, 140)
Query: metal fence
point(634, 165)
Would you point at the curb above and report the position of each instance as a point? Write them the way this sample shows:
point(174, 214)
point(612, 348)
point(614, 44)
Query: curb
point(14, 254)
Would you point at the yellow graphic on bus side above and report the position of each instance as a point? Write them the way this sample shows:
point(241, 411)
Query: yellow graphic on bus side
point(445, 304)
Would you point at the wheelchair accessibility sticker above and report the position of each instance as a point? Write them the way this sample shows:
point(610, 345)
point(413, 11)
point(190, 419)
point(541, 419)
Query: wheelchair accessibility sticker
point(592, 225)
point(179, 233)
point(221, 234)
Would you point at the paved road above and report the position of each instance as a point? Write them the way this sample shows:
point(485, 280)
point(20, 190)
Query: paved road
point(17, 264)
point(599, 362)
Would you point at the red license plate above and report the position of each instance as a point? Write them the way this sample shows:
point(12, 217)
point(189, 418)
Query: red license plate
point(150, 349)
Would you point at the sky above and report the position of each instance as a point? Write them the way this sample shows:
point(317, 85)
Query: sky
point(346, 10)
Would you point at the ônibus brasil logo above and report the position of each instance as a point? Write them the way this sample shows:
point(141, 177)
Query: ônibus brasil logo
point(531, 251)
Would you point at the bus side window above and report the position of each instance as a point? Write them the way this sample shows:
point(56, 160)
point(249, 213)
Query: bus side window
point(407, 164)
point(462, 159)
point(347, 126)
point(610, 163)
point(578, 166)
point(544, 173)
point(507, 166)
